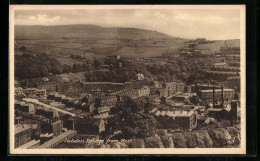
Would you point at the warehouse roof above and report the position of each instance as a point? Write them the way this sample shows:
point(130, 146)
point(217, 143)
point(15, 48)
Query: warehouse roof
point(174, 113)
point(217, 90)
point(56, 139)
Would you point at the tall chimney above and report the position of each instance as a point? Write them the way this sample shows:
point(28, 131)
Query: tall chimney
point(233, 110)
point(213, 95)
point(222, 96)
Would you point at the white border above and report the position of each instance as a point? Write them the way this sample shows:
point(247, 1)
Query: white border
point(241, 150)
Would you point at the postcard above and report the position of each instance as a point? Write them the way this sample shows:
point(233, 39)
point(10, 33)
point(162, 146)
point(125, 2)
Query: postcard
point(127, 79)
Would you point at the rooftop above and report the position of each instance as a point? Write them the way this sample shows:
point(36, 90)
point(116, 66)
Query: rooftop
point(103, 83)
point(235, 77)
point(21, 127)
point(220, 64)
point(29, 144)
point(173, 113)
point(56, 139)
point(30, 89)
point(89, 121)
point(217, 90)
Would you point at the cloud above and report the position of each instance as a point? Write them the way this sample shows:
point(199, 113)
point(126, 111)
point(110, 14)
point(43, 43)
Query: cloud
point(39, 19)
point(186, 23)
point(161, 16)
point(45, 19)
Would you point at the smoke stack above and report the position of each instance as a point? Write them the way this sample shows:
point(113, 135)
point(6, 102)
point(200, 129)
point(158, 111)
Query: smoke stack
point(233, 110)
point(213, 96)
point(222, 96)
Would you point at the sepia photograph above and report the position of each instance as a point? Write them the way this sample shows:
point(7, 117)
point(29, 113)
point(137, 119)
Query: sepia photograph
point(127, 79)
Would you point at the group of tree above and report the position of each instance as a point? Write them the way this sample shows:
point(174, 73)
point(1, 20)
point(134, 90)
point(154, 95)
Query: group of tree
point(131, 119)
point(29, 66)
point(32, 66)
point(77, 57)
point(127, 72)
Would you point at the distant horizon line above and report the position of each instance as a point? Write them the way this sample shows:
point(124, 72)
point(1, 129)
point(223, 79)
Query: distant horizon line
point(131, 28)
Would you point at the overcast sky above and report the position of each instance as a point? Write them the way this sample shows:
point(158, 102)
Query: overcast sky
point(213, 24)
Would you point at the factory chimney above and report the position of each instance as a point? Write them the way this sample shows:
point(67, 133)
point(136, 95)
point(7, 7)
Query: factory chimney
point(222, 96)
point(233, 110)
point(213, 95)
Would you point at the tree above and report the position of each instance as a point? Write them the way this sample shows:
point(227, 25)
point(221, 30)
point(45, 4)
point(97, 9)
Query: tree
point(190, 79)
point(132, 119)
point(96, 63)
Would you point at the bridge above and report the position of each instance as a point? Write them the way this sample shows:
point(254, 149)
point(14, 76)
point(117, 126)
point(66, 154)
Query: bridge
point(35, 101)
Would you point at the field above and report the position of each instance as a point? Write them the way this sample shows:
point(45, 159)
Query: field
point(89, 41)
point(68, 61)
point(214, 47)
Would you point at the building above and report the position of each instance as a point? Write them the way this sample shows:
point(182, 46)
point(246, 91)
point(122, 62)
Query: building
point(109, 101)
point(220, 65)
point(24, 107)
point(88, 126)
point(226, 69)
point(160, 92)
point(234, 82)
point(57, 140)
point(65, 99)
point(30, 145)
point(16, 84)
point(207, 95)
point(221, 75)
point(17, 120)
point(197, 87)
point(48, 113)
point(30, 91)
point(40, 92)
point(187, 89)
point(220, 113)
point(134, 93)
point(57, 127)
point(49, 86)
point(117, 57)
point(181, 99)
point(170, 85)
point(18, 91)
point(180, 87)
point(35, 91)
point(88, 107)
point(140, 76)
point(157, 84)
point(176, 119)
point(102, 86)
point(130, 93)
point(58, 98)
point(100, 110)
point(229, 50)
point(143, 91)
point(23, 134)
point(51, 95)
point(200, 40)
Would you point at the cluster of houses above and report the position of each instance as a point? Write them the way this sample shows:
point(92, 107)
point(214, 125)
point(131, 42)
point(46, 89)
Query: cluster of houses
point(53, 117)
point(222, 71)
point(35, 125)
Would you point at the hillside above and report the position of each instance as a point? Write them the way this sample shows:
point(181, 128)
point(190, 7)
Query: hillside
point(90, 41)
point(84, 32)
point(215, 46)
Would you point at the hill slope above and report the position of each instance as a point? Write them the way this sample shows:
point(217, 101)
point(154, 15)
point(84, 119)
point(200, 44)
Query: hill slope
point(92, 41)
point(83, 31)
point(96, 41)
